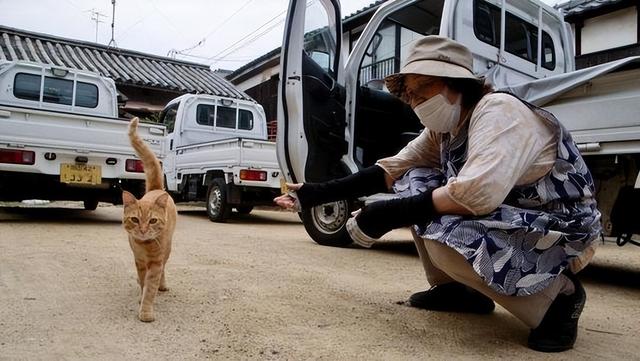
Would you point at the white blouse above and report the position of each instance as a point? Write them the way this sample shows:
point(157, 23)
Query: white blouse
point(508, 145)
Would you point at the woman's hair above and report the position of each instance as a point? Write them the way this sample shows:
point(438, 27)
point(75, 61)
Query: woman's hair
point(472, 90)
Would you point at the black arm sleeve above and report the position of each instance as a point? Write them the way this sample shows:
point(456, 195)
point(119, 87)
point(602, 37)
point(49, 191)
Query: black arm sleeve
point(378, 218)
point(368, 181)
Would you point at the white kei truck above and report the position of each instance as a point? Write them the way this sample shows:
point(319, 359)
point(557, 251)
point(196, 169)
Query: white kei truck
point(219, 153)
point(335, 118)
point(61, 139)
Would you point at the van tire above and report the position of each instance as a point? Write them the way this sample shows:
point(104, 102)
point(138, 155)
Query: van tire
point(326, 223)
point(90, 204)
point(244, 209)
point(217, 208)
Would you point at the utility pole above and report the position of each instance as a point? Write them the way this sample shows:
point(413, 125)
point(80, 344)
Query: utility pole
point(112, 42)
point(95, 16)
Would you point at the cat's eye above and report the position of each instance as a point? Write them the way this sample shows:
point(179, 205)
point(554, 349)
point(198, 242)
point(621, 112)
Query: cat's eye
point(135, 220)
point(153, 221)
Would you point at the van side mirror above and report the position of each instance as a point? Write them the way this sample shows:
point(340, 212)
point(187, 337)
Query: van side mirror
point(321, 58)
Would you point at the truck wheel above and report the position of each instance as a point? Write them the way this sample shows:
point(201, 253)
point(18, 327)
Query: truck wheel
point(326, 223)
point(91, 204)
point(217, 208)
point(244, 209)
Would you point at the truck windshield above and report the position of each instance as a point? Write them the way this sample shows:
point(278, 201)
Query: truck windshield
point(388, 48)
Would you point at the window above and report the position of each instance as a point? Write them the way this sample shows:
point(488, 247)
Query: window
point(27, 86)
point(521, 38)
point(319, 36)
point(486, 24)
point(245, 119)
point(548, 52)
point(86, 95)
point(168, 117)
point(58, 91)
point(205, 114)
point(226, 117)
point(390, 45)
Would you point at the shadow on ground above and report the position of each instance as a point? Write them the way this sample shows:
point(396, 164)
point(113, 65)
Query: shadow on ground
point(611, 275)
point(54, 215)
point(236, 218)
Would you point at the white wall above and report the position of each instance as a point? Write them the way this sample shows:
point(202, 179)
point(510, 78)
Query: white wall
point(610, 31)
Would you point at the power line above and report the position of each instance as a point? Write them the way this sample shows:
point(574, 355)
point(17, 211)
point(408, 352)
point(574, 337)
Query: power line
point(249, 41)
point(230, 49)
point(217, 56)
point(214, 30)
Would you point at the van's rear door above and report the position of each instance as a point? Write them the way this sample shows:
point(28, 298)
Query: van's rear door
point(311, 111)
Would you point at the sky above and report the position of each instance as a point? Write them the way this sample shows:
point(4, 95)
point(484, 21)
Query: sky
point(224, 34)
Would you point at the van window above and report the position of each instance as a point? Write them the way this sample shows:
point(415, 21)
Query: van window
point(168, 117)
point(58, 91)
point(205, 114)
point(389, 47)
point(486, 24)
point(245, 119)
point(521, 37)
point(548, 52)
point(319, 38)
point(226, 117)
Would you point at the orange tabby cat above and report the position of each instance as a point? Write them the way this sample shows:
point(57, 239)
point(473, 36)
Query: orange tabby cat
point(150, 222)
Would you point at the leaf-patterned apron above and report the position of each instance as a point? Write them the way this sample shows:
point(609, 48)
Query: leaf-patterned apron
point(520, 247)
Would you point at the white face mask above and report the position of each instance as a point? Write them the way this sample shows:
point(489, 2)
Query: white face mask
point(438, 114)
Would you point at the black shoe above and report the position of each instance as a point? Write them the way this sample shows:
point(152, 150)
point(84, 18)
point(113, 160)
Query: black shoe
point(452, 297)
point(559, 328)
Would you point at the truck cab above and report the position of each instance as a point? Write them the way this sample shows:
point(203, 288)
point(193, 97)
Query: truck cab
point(334, 114)
point(219, 153)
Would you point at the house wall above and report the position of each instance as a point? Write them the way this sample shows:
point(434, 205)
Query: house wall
point(261, 77)
point(608, 31)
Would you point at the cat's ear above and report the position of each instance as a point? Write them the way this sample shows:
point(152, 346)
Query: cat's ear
point(162, 200)
point(128, 199)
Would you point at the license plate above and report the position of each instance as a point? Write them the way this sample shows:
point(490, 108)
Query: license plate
point(80, 174)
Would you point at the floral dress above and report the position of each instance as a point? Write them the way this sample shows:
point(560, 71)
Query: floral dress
point(521, 246)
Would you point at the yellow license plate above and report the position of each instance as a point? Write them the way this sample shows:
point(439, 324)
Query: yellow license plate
point(80, 174)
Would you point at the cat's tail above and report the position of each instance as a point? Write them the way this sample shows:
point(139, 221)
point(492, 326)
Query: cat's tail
point(152, 167)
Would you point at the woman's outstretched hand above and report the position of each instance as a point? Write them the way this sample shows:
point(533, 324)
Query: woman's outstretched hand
point(288, 201)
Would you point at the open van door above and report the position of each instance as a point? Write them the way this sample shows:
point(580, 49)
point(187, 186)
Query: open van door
point(311, 110)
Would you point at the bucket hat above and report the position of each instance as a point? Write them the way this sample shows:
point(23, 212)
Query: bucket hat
point(434, 56)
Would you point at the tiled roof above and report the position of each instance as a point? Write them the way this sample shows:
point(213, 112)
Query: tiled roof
point(576, 7)
point(371, 7)
point(125, 67)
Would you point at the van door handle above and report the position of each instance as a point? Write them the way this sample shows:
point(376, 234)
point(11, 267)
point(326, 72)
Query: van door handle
point(295, 77)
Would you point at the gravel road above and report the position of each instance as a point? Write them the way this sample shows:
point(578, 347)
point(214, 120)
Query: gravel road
point(257, 287)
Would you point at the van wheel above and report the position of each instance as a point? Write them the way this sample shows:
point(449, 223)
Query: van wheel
point(244, 209)
point(90, 204)
point(326, 223)
point(217, 208)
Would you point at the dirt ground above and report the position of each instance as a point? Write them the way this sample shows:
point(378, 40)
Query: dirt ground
point(257, 287)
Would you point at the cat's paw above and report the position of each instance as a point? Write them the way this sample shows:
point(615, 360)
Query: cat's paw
point(163, 288)
point(146, 316)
